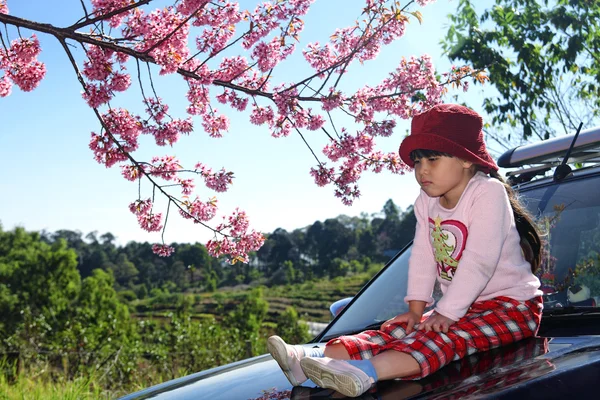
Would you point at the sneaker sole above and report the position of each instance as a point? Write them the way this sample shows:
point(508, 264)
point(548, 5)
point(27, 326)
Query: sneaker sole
point(279, 353)
point(327, 377)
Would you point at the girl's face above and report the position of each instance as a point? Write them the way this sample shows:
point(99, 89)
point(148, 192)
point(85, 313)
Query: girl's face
point(444, 177)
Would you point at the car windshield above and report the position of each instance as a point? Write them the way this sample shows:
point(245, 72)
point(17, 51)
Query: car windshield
point(569, 215)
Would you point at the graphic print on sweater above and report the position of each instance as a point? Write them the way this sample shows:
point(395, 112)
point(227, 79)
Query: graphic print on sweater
point(448, 239)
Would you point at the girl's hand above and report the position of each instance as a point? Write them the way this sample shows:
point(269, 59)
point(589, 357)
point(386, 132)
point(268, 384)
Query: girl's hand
point(411, 318)
point(437, 323)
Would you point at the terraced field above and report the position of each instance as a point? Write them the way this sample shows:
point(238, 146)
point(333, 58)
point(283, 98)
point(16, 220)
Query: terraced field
point(311, 300)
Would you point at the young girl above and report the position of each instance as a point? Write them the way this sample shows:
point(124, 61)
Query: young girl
point(474, 237)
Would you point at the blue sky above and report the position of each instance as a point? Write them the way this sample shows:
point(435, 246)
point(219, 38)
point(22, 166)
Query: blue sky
point(50, 180)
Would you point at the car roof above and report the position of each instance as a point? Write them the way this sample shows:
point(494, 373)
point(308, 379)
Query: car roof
point(552, 151)
point(535, 159)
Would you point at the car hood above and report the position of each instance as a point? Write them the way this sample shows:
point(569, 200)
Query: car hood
point(526, 363)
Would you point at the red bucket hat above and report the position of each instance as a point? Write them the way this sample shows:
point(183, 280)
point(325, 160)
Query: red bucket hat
point(452, 129)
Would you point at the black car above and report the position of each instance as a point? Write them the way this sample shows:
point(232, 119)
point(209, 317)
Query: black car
point(559, 181)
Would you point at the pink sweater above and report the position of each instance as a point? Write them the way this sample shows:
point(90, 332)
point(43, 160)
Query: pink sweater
point(472, 250)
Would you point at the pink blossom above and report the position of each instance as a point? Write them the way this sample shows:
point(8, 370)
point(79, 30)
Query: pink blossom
point(187, 186)
point(28, 76)
point(131, 172)
point(267, 36)
point(237, 102)
point(168, 133)
point(141, 207)
point(188, 7)
point(322, 175)
point(281, 128)
point(98, 66)
point(319, 57)
point(214, 124)
point(156, 108)
point(261, 115)
point(102, 7)
point(123, 125)
point(218, 181)
point(165, 167)
point(150, 222)
point(314, 121)
point(106, 151)
point(213, 39)
point(231, 68)
point(383, 128)
point(268, 55)
point(120, 82)
point(162, 250)
point(199, 210)
point(25, 50)
point(222, 13)
point(333, 101)
point(237, 241)
point(5, 86)
point(162, 32)
point(97, 95)
point(198, 97)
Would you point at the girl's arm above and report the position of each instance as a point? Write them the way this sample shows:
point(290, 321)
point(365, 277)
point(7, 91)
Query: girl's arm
point(422, 270)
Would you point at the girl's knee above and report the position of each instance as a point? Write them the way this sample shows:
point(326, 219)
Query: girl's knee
point(337, 351)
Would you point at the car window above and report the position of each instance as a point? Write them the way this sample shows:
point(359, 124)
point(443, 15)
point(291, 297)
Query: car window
point(382, 299)
point(569, 214)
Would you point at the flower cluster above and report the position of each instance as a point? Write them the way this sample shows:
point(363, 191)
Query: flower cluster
point(163, 34)
point(219, 19)
point(268, 16)
point(237, 240)
point(217, 181)
point(103, 7)
point(165, 167)
point(200, 211)
point(132, 172)
point(19, 63)
point(105, 78)
point(3, 7)
point(234, 99)
point(148, 220)
point(191, 7)
point(162, 250)
point(164, 132)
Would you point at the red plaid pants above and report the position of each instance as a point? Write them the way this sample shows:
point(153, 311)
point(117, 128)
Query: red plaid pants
point(488, 324)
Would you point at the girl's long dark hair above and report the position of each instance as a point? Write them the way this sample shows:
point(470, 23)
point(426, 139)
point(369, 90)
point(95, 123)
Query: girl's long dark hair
point(531, 241)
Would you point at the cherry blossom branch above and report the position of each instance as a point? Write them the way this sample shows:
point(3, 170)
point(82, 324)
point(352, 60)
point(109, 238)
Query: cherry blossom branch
point(126, 153)
point(102, 17)
point(174, 31)
point(161, 38)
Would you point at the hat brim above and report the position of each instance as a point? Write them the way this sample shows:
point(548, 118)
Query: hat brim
point(427, 141)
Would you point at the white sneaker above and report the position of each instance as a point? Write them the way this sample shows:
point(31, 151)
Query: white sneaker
point(288, 357)
point(338, 375)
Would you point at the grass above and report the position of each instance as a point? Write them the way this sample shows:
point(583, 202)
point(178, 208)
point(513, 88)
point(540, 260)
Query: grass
point(39, 387)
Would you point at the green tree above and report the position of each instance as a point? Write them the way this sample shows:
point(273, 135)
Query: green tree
point(38, 282)
point(542, 58)
point(98, 329)
point(124, 270)
point(290, 328)
point(248, 316)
